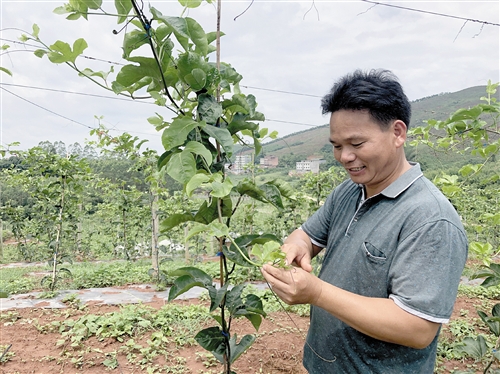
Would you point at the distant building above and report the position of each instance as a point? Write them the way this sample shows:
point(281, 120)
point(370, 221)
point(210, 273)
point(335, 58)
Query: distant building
point(309, 165)
point(269, 162)
point(239, 164)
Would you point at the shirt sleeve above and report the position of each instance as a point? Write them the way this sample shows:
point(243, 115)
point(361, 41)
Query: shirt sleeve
point(426, 270)
point(318, 225)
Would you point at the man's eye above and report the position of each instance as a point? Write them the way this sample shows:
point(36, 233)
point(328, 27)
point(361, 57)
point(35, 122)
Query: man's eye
point(357, 144)
point(337, 146)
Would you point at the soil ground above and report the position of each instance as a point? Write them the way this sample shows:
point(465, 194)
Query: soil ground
point(278, 348)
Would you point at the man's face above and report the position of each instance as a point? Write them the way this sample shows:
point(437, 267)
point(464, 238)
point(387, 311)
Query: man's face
point(371, 156)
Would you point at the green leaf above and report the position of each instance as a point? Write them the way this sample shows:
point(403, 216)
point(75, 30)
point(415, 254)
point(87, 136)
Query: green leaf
point(218, 229)
point(493, 323)
point(165, 158)
point(233, 298)
point(241, 101)
point(123, 8)
point(216, 297)
point(221, 189)
point(197, 274)
point(198, 36)
point(250, 189)
point(197, 79)
point(178, 25)
point(196, 181)
point(200, 150)
point(254, 304)
point(175, 220)
point(189, 277)
point(238, 349)
point(207, 213)
point(209, 109)
point(134, 77)
point(272, 194)
point(3, 295)
point(475, 348)
point(36, 30)
point(284, 188)
point(212, 340)
point(61, 52)
point(495, 311)
point(94, 4)
point(269, 252)
point(222, 136)
point(240, 123)
point(177, 133)
point(5, 70)
point(182, 166)
point(189, 61)
point(183, 284)
point(132, 41)
point(197, 228)
point(465, 114)
point(190, 3)
point(235, 256)
point(75, 16)
point(67, 271)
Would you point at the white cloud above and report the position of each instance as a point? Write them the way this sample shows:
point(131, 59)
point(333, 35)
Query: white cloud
point(277, 45)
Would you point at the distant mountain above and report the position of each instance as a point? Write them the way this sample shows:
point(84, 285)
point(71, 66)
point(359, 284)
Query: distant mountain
point(439, 107)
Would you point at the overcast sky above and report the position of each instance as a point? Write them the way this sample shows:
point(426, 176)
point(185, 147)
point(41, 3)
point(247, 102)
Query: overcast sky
point(297, 47)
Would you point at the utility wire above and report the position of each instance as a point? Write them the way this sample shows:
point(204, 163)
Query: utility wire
point(75, 93)
point(48, 110)
point(285, 92)
point(432, 13)
point(293, 123)
point(38, 47)
point(145, 102)
point(69, 119)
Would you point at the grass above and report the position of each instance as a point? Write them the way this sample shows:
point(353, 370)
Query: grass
point(103, 274)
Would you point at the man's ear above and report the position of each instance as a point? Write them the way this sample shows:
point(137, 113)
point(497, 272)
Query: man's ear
point(399, 130)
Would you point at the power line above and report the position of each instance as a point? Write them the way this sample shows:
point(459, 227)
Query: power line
point(75, 93)
point(432, 13)
point(279, 91)
point(293, 123)
point(38, 47)
point(47, 110)
point(69, 119)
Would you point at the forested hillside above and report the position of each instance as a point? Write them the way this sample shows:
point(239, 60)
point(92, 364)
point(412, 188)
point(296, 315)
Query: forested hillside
point(315, 141)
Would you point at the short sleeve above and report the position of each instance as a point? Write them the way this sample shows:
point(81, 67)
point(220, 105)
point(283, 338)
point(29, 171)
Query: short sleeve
point(426, 270)
point(318, 225)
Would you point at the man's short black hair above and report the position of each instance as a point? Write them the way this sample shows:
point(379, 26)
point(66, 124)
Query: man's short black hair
point(377, 91)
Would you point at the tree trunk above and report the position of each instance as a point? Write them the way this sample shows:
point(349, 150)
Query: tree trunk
point(155, 225)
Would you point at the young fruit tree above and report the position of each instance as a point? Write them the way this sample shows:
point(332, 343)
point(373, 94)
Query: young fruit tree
point(205, 115)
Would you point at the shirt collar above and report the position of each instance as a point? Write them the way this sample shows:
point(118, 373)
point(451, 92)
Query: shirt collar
point(403, 182)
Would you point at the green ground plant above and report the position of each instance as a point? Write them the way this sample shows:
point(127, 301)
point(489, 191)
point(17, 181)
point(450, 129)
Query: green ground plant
point(474, 131)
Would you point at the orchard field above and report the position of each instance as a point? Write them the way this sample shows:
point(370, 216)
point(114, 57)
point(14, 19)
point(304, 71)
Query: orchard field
point(116, 213)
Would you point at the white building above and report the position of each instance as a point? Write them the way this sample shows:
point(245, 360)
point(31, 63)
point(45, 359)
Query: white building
point(240, 162)
point(309, 165)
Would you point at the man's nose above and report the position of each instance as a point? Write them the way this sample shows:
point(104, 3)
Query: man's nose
point(346, 155)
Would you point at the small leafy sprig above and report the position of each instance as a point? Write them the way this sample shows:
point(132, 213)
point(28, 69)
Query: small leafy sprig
point(270, 252)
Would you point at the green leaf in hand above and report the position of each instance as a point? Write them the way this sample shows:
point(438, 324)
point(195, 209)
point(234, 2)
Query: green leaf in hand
point(270, 252)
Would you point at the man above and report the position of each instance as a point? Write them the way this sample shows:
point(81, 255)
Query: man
point(394, 246)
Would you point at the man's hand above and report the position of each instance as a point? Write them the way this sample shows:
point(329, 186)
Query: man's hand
point(299, 250)
point(293, 286)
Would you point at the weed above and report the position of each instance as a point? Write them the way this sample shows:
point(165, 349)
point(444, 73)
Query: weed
point(5, 353)
point(48, 294)
point(9, 317)
point(207, 359)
